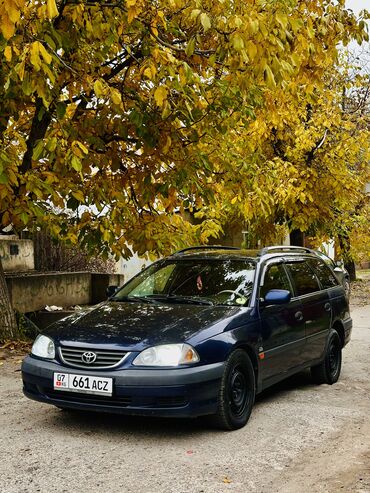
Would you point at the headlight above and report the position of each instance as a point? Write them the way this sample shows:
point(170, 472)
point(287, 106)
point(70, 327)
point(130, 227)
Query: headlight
point(43, 347)
point(167, 355)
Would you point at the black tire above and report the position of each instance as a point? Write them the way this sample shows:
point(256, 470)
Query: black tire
point(237, 392)
point(329, 370)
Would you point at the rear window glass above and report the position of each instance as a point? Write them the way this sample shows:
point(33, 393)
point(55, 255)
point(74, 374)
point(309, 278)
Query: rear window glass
point(323, 272)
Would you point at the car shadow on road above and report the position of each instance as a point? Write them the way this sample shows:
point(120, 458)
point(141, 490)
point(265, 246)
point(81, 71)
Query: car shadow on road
point(300, 382)
point(96, 423)
point(112, 424)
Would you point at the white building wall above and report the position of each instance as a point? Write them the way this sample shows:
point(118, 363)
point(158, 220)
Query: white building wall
point(16, 255)
point(129, 268)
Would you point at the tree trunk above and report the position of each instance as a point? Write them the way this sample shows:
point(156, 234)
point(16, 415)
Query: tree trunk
point(296, 237)
point(8, 324)
point(349, 264)
point(351, 268)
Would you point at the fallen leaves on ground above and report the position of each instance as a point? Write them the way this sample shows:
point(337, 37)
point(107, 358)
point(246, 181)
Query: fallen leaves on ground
point(14, 349)
point(360, 292)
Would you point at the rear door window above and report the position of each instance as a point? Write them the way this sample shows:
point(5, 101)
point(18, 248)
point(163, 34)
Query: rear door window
point(304, 278)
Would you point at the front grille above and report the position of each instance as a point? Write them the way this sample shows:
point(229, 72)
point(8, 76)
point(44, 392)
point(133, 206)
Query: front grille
point(104, 358)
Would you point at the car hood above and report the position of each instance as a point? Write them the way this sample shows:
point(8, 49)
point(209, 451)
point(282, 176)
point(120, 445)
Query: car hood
point(135, 326)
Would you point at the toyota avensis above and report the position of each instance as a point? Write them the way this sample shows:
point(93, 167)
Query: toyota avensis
point(197, 333)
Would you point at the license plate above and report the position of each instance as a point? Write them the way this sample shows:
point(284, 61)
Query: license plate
point(85, 384)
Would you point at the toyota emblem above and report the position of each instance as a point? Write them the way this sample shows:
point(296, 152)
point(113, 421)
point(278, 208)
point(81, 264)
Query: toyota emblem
point(88, 357)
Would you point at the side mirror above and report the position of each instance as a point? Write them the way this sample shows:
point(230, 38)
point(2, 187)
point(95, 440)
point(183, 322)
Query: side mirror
point(277, 297)
point(111, 290)
point(339, 263)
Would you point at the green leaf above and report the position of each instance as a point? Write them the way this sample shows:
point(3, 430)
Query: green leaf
point(27, 87)
point(24, 217)
point(51, 144)
point(190, 47)
point(50, 41)
point(194, 13)
point(79, 196)
point(37, 151)
point(61, 110)
point(76, 163)
point(206, 21)
point(269, 77)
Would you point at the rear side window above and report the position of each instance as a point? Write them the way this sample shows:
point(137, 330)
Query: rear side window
point(323, 272)
point(275, 278)
point(304, 278)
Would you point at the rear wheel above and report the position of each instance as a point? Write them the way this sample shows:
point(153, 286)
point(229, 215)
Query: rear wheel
point(237, 392)
point(329, 370)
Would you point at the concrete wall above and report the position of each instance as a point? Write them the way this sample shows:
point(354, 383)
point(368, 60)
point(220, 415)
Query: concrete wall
point(32, 292)
point(16, 255)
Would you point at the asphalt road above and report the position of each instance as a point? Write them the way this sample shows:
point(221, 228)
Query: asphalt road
point(300, 438)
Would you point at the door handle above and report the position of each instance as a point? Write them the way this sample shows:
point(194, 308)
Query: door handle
point(298, 316)
point(327, 307)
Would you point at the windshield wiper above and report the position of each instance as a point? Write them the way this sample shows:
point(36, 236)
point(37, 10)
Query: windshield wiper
point(136, 299)
point(183, 299)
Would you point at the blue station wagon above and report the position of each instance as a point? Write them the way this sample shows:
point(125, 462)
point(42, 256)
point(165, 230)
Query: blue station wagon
point(198, 333)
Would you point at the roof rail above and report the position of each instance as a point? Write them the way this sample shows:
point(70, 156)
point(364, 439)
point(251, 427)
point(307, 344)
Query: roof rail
point(210, 247)
point(284, 248)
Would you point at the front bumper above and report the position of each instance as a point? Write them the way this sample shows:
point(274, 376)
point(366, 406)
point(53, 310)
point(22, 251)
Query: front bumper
point(185, 392)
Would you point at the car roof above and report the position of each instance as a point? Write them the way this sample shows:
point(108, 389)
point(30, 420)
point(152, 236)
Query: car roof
point(215, 251)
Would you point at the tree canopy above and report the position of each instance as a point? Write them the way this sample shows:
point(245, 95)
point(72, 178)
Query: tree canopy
point(308, 158)
point(115, 116)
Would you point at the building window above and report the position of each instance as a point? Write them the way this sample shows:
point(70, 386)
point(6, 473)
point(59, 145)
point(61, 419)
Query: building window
point(14, 249)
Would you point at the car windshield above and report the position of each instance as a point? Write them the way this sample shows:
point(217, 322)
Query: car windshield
point(200, 281)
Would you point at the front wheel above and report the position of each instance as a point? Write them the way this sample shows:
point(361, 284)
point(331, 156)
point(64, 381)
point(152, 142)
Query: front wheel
point(329, 370)
point(237, 392)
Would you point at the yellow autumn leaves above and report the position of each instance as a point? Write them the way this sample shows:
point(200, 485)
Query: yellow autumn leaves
point(37, 54)
point(140, 99)
point(160, 95)
point(10, 13)
point(52, 10)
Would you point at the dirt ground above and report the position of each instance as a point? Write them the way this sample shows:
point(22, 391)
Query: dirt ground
point(301, 438)
point(360, 291)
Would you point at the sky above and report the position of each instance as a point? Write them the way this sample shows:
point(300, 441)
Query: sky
point(357, 5)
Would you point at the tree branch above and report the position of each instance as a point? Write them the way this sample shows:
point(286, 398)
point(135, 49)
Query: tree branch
point(177, 48)
point(40, 122)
